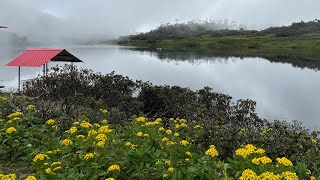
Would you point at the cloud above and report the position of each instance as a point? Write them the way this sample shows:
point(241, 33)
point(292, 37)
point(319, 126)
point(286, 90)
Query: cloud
point(52, 20)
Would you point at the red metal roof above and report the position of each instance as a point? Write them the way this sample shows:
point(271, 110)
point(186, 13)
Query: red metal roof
point(38, 57)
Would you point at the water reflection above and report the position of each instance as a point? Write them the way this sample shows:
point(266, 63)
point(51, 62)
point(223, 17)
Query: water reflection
point(281, 90)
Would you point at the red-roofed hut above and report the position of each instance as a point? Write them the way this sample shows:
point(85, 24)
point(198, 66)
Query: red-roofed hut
point(40, 57)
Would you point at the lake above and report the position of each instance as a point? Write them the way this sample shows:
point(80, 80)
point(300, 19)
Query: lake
point(282, 90)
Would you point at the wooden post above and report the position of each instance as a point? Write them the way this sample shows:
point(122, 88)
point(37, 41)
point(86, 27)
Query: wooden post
point(19, 79)
point(44, 70)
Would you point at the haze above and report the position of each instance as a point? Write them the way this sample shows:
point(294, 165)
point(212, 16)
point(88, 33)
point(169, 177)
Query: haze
point(79, 19)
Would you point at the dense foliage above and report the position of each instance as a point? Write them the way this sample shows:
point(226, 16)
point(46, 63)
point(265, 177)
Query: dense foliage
point(212, 28)
point(68, 95)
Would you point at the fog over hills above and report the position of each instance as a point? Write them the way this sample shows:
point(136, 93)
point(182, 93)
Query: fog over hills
point(80, 20)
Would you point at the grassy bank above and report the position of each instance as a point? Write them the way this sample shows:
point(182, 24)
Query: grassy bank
point(249, 43)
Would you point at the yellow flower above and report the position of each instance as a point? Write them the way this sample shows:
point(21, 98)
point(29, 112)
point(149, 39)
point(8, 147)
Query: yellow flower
point(114, 167)
point(66, 142)
point(56, 168)
point(183, 125)
point(287, 175)
point(188, 154)
point(158, 121)
point(165, 175)
point(96, 125)
point(176, 134)
point(104, 121)
point(308, 172)
point(110, 178)
point(101, 137)
point(165, 139)
point(262, 160)
point(158, 162)
point(30, 107)
point(139, 134)
point(269, 176)
point(247, 150)
point(101, 144)
point(85, 124)
point(177, 126)
point(30, 178)
point(168, 162)
point(8, 177)
point(312, 178)
point(15, 114)
point(184, 143)
point(76, 123)
point(50, 122)
point(212, 152)
point(40, 157)
point(140, 119)
point(171, 143)
point(197, 126)
point(182, 121)
point(284, 161)
point(88, 156)
point(56, 163)
point(248, 174)
point(104, 111)
point(171, 169)
point(72, 130)
point(129, 144)
point(187, 159)
point(80, 136)
point(260, 151)
point(92, 132)
point(48, 171)
point(169, 131)
point(146, 135)
point(161, 129)
point(11, 130)
point(104, 129)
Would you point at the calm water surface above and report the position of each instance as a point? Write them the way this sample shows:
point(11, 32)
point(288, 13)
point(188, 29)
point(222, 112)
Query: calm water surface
point(281, 90)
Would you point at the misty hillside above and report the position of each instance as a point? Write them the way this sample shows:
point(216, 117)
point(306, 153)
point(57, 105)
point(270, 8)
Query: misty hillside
point(200, 28)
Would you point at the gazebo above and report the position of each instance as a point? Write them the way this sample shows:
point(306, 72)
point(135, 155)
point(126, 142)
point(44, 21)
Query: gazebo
point(40, 57)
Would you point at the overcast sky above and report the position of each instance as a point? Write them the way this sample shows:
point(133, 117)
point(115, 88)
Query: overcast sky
point(120, 17)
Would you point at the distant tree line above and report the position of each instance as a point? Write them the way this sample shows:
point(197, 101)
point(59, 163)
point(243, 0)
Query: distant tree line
point(197, 28)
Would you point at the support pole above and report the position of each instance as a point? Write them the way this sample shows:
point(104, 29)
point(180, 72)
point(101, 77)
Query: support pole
point(19, 79)
point(44, 70)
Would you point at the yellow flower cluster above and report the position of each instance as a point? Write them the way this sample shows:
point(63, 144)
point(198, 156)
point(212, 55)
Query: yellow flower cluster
point(129, 144)
point(85, 124)
point(104, 130)
point(247, 150)
point(72, 130)
point(101, 137)
point(248, 174)
point(66, 142)
point(212, 151)
point(139, 134)
point(284, 161)
point(15, 114)
point(104, 111)
point(104, 121)
point(188, 154)
point(269, 175)
point(168, 131)
point(262, 160)
point(140, 119)
point(184, 143)
point(171, 169)
point(11, 130)
point(92, 132)
point(289, 175)
point(30, 178)
point(50, 122)
point(165, 139)
point(101, 144)
point(30, 107)
point(40, 157)
point(88, 156)
point(114, 167)
point(8, 177)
